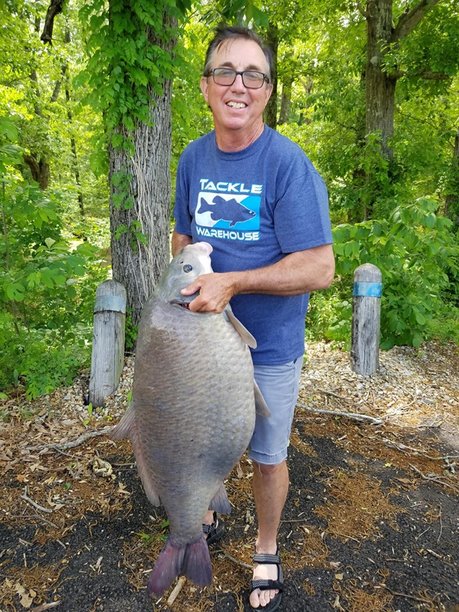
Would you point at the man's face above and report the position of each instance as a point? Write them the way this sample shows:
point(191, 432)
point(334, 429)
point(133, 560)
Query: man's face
point(235, 107)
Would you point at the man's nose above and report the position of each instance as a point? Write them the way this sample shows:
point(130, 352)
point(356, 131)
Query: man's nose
point(238, 82)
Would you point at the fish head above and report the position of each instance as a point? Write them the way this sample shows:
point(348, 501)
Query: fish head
point(184, 268)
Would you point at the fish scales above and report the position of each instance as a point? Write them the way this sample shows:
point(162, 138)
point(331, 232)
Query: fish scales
point(192, 415)
point(186, 376)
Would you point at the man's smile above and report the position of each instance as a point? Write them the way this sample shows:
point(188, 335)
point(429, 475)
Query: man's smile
point(234, 104)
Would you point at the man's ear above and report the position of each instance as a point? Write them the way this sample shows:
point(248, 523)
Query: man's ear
point(203, 84)
point(269, 91)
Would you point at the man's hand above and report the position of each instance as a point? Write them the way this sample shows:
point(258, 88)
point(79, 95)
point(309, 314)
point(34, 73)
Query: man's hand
point(215, 292)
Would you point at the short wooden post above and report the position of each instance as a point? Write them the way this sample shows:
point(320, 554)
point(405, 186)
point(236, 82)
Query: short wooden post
point(108, 341)
point(366, 319)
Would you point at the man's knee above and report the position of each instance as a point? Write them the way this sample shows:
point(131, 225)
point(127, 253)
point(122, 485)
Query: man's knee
point(265, 469)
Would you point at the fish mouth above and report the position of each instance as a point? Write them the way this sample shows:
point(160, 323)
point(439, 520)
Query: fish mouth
point(184, 300)
point(180, 303)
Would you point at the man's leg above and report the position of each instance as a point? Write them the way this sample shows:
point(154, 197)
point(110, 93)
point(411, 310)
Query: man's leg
point(270, 487)
point(268, 451)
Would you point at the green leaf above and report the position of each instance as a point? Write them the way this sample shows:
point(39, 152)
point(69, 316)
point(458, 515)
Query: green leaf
point(8, 129)
point(15, 291)
point(49, 242)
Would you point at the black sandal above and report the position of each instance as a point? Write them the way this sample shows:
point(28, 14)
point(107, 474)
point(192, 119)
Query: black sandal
point(214, 532)
point(267, 585)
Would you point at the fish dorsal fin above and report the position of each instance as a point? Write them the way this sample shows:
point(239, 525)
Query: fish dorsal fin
point(220, 501)
point(241, 330)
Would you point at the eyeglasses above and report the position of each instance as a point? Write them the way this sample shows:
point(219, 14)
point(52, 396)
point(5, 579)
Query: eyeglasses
point(252, 79)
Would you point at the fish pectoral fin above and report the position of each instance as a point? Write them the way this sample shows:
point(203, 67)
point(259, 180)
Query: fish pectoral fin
point(241, 329)
point(146, 476)
point(125, 427)
point(220, 502)
point(261, 407)
point(148, 486)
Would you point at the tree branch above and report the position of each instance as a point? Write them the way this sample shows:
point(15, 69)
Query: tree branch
point(55, 7)
point(410, 19)
point(348, 415)
point(430, 75)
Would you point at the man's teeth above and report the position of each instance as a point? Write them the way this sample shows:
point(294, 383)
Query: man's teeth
point(236, 104)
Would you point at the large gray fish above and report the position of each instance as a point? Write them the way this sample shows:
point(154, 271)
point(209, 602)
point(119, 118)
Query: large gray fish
point(192, 414)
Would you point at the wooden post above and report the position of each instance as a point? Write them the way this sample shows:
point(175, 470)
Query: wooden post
point(108, 341)
point(366, 319)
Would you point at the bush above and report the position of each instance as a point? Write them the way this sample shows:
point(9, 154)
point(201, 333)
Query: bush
point(417, 253)
point(47, 286)
point(42, 360)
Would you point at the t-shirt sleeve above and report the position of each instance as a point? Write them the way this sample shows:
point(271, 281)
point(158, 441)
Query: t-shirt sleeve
point(301, 216)
point(182, 214)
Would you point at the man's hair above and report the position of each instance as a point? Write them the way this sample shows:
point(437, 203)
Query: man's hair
point(224, 32)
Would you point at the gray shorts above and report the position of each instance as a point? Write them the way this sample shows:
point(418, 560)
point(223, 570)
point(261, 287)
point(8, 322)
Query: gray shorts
point(279, 385)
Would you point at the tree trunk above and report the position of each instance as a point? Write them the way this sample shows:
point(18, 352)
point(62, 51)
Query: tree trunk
point(139, 205)
point(452, 195)
point(73, 147)
point(39, 169)
point(286, 100)
point(272, 39)
point(380, 86)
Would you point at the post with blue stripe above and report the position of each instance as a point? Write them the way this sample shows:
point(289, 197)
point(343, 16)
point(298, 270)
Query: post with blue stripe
point(108, 341)
point(366, 319)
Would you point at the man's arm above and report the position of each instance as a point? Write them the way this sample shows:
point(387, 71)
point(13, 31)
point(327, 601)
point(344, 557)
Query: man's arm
point(179, 241)
point(296, 273)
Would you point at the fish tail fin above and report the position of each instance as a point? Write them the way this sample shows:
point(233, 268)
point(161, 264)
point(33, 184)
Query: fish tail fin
point(204, 206)
point(191, 560)
point(196, 564)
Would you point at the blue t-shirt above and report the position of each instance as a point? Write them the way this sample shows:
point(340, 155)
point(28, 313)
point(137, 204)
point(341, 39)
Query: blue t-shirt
point(255, 206)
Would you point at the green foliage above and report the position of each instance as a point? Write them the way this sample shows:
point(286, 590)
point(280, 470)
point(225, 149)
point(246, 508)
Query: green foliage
point(417, 253)
point(130, 47)
point(40, 360)
point(47, 283)
point(130, 333)
point(49, 271)
point(330, 314)
point(327, 111)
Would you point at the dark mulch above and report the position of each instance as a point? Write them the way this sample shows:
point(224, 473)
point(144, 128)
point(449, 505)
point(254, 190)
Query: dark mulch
point(369, 526)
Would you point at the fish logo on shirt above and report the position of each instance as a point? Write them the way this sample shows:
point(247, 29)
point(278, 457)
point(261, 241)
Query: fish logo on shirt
point(229, 210)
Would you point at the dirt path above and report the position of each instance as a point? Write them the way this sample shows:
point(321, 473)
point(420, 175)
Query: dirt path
point(371, 522)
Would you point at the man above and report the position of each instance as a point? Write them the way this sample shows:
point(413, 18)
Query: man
point(255, 196)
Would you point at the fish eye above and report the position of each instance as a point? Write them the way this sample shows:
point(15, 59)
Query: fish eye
point(187, 268)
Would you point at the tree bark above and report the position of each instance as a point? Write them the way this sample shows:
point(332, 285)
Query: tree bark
point(452, 196)
point(140, 227)
point(380, 86)
point(39, 169)
point(286, 100)
point(272, 38)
